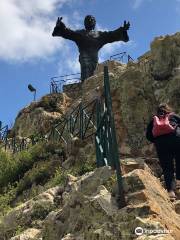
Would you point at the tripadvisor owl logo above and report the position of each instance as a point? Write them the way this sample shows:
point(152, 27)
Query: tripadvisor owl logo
point(139, 231)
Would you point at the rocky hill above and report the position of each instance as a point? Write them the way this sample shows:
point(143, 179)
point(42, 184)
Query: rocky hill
point(55, 196)
point(137, 88)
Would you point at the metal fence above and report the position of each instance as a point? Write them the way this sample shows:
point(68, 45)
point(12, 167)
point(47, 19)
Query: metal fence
point(107, 152)
point(122, 57)
point(3, 132)
point(16, 144)
point(80, 122)
point(57, 83)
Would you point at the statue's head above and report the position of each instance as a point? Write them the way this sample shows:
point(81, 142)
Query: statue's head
point(89, 22)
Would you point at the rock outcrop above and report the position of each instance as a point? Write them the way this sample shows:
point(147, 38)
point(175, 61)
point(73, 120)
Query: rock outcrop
point(165, 52)
point(29, 216)
point(39, 116)
point(28, 234)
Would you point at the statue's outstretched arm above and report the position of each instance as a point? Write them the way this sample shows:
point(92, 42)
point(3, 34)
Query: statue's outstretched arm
point(61, 30)
point(119, 34)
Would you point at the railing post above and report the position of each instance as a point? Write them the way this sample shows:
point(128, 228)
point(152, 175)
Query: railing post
point(98, 135)
point(23, 144)
point(0, 130)
point(5, 147)
point(81, 121)
point(13, 144)
point(115, 151)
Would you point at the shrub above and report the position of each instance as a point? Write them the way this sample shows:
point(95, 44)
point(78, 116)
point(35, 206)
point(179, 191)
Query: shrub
point(13, 167)
point(37, 175)
point(5, 200)
point(40, 211)
point(58, 178)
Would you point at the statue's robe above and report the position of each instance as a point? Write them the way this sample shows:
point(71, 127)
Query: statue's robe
point(89, 43)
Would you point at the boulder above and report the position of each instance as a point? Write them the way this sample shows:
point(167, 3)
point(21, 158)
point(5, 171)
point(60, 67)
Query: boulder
point(28, 234)
point(30, 212)
point(39, 116)
point(165, 53)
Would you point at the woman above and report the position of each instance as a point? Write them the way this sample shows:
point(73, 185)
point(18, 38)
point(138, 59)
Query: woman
point(164, 131)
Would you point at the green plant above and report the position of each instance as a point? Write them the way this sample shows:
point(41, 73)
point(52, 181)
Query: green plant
point(6, 198)
point(58, 178)
point(39, 174)
point(86, 161)
point(40, 211)
point(111, 183)
point(84, 168)
point(13, 167)
point(19, 230)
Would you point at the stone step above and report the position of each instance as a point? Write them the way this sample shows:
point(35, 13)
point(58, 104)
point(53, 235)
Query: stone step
point(130, 164)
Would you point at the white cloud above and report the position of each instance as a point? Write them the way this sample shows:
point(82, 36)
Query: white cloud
point(26, 27)
point(137, 3)
point(71, 65)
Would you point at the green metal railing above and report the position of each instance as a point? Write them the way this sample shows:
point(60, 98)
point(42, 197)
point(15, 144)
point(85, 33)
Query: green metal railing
point(17, 144)
point(107, 152)
point(80, 122)
point(122, 57)
point(3, 132)
point(57, 83)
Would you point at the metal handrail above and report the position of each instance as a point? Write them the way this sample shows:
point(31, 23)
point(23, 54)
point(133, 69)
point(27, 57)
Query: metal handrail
point(120, 57)
point(107, 151)
point(3, 132)
point(56, 86)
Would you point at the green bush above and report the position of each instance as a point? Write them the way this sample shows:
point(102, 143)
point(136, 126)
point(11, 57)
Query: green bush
point(58, 178)
point(40, 211)
point(6, 199)
point(37, 175)
point(13, 167)
point(49, 103)
point(26, 170)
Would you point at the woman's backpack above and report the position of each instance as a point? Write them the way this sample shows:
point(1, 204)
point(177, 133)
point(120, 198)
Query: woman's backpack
point(162, 126)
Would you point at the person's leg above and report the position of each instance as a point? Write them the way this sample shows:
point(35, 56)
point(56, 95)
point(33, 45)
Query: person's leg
point(177, 160)
point(166, 161)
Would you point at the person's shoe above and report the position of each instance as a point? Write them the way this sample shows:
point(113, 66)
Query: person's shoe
point(172, 195)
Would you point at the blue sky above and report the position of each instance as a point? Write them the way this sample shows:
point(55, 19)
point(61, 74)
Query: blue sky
point(29, 54)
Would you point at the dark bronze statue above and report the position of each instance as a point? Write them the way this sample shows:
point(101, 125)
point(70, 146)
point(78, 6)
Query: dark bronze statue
point(90, 41)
